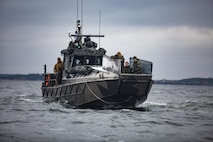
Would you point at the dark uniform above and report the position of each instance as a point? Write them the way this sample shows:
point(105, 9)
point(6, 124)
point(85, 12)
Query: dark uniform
point(137, 66)
point(126, 68)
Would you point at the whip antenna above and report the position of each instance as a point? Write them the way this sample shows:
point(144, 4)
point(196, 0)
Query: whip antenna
point(82, 16)
point(77, 11)
point(99, 27)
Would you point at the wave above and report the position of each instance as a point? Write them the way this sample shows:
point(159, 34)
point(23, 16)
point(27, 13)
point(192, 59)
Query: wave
point(154, 104)
point(12, 121)
point(149, 105)
point(174, 106)
point(53, 110)
point(57, 129)
point(23, 98)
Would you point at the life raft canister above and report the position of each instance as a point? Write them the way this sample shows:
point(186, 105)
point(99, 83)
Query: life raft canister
point(47, 80)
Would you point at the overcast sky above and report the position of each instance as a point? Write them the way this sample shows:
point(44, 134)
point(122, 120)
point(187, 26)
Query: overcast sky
point(176, 35)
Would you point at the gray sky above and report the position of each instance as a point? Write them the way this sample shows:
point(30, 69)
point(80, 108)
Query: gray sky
point(177, 36)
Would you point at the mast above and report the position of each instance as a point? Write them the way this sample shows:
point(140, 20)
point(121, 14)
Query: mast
point(82, 16)
point(99, 28)
point(78, 34)
point(77, 11)
point(79, 28)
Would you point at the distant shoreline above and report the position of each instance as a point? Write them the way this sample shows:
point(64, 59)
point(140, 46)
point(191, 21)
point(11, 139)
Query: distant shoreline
point(21, 76)
point(188, 81)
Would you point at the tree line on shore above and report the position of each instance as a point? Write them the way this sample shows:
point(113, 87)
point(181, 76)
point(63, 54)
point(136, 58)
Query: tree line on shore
point(21, 76)
point(189, 81)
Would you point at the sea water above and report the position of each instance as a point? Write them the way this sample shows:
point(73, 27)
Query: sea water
point(172, 113)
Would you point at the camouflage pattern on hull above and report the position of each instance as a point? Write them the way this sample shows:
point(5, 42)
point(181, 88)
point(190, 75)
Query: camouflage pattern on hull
point(124, 92)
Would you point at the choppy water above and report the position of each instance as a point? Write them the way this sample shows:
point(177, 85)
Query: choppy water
point(171, 113)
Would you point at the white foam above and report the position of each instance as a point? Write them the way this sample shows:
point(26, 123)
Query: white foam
point(154, 104)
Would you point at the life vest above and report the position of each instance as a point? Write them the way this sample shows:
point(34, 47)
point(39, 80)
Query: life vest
point(47, 80)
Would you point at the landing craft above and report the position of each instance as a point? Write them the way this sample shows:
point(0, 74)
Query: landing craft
point(91, 79)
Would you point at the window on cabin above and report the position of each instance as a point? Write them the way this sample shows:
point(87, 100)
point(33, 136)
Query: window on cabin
point(99, 60)
point(78, 61)
point(87, 60)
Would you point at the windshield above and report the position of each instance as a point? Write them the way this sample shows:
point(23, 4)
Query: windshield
point(87, 60)
point(111, 64)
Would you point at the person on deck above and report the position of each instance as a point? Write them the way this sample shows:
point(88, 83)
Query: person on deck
point(137, 66)
point(118, 56)
point(121, 57)
point(58, 70)
point(126, 68)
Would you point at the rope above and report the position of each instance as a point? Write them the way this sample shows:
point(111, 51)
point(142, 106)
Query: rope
point(106, 102)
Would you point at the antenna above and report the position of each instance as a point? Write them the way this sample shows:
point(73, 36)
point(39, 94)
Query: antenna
point(99, 27)
point(82, 16)
point(79, 32)
point(77, 11)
